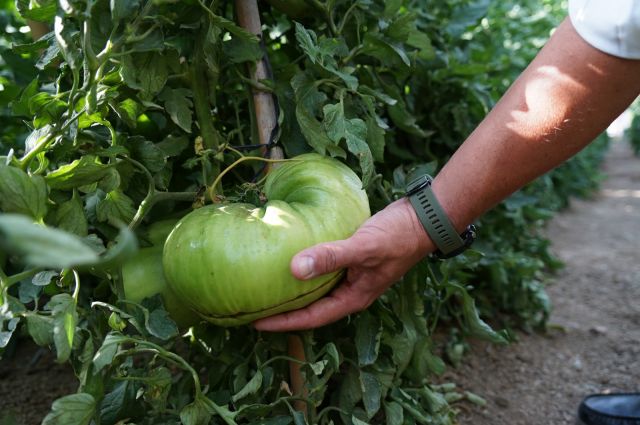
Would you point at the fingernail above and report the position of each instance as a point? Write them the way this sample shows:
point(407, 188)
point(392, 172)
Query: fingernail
point(305, 267)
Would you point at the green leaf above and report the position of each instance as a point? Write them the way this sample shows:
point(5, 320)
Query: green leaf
point(466, 15)
point(128, 111)
point(44, 278)
point(158, 383)
point(357, 421)
point(477, 326)
point(43, 246)
point(371, 394)
point(173, 145)
point(40, 328)
point(86, 170)
point(196, 413)
point(21, 193)
point(367, 339)
point(251, 387)
point(148, 153)
point(354, 131)
point(41, 11)
point(179, 106)
point(387, 52)
point(309, 99)
point(393, 413)
point(65, 317)
point(28, 292)
point(239, 50)
point(119, 403)
point(21, 106)
point(5, 336)
point(147, 72)
point(116, 208)
point(161, 325)
point(70, 216)
point(105, 354)
point(123, 9)
point(375, 139)
point(74, 409)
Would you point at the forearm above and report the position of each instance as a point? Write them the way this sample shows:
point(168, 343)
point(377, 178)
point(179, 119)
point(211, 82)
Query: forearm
point(566, 97)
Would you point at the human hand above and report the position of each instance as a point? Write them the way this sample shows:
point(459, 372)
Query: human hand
point(377, 255)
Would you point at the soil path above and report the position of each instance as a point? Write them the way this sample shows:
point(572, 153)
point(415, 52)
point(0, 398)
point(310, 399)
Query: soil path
point(595, 344)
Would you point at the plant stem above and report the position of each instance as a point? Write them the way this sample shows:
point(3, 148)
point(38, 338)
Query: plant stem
point(211, 189)
point(200, 89)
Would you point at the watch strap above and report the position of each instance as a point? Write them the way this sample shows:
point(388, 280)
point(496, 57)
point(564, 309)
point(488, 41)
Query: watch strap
point(433, 218)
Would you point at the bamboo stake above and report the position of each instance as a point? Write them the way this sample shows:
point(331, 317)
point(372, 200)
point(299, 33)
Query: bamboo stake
point(266, 119)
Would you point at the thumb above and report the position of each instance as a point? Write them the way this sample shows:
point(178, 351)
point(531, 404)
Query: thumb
point(322, 259)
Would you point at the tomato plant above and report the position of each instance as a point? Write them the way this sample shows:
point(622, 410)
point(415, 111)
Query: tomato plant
point(123, 116)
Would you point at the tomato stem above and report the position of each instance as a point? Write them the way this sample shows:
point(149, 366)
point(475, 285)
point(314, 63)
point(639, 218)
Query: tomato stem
point(215, 183)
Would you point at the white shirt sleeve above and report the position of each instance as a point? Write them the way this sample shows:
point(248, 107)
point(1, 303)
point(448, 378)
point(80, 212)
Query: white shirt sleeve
point(612, 26)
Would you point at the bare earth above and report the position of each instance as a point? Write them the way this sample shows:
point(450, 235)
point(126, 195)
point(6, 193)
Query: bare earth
point(593, 345)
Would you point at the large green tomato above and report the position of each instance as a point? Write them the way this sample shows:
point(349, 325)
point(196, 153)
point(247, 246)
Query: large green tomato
point(230, 262)
point(142, 277)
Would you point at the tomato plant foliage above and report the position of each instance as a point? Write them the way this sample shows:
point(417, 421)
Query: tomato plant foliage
point(124, 114)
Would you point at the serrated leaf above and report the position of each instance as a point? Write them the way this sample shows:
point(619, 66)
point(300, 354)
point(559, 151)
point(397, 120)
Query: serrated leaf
point(21, 193)
point(42, 246)
point(354, 132)
point(86, 170)
point(74, 409)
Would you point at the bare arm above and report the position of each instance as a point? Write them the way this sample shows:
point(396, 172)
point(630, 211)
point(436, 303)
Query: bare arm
point(567, 96)
point(560, 103)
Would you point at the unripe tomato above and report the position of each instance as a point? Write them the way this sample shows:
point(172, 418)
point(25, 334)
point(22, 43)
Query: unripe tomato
point(142, 277)
point(230, 262)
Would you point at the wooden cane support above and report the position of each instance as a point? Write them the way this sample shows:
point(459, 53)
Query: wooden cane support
point(264, 104)
point(266, 119)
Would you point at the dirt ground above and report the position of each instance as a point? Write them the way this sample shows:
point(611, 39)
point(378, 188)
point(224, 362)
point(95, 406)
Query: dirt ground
point(30, 381)
point(594, 342)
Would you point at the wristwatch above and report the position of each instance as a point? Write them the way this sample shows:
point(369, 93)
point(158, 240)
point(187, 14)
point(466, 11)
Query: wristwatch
point(435, 220)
